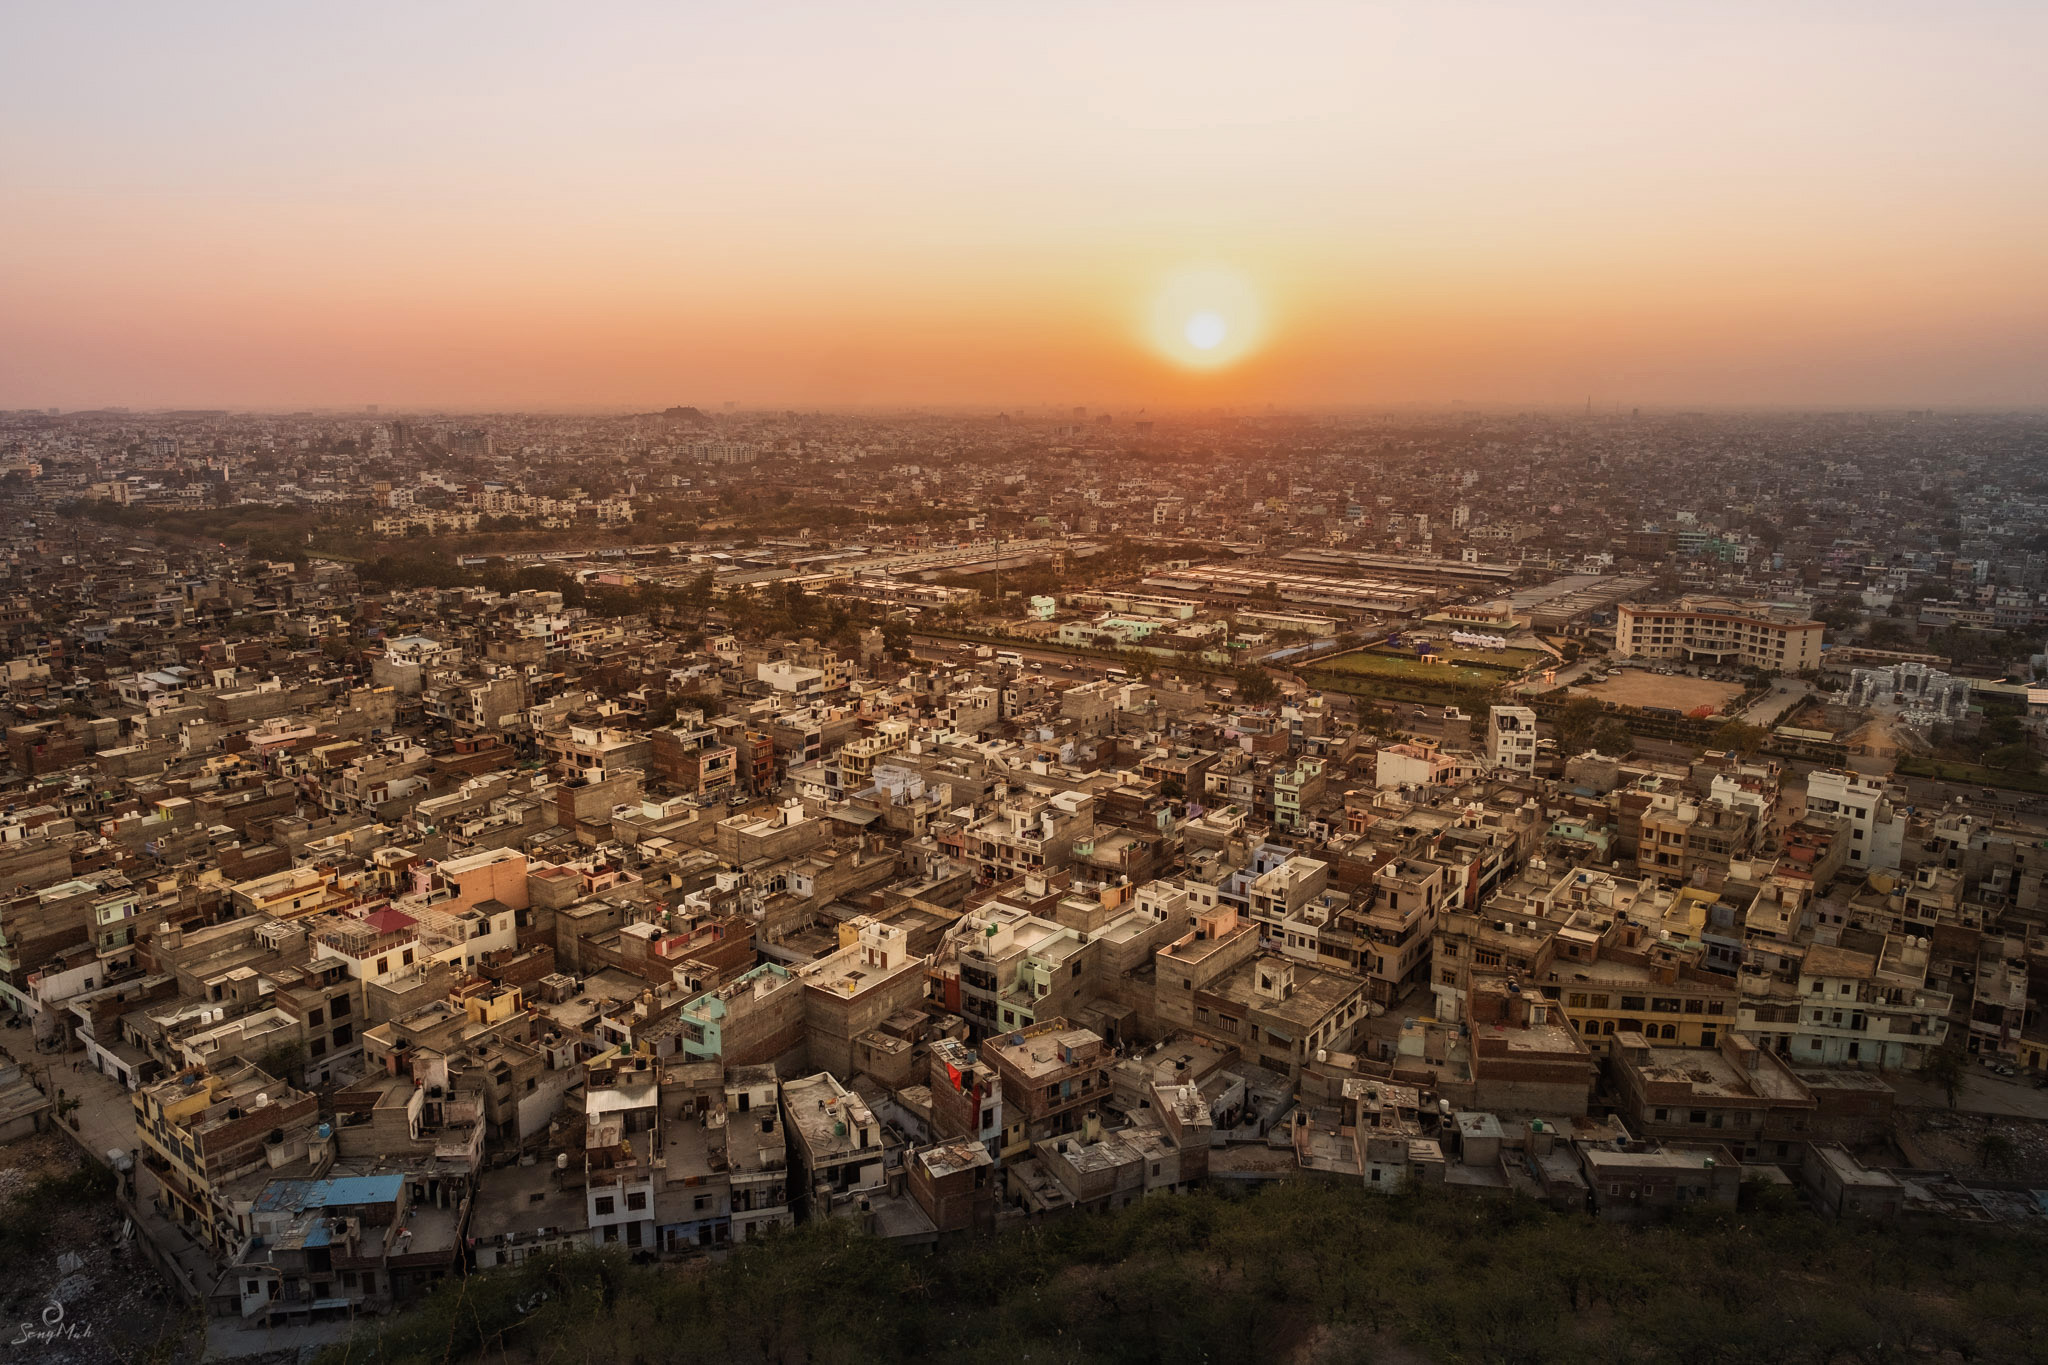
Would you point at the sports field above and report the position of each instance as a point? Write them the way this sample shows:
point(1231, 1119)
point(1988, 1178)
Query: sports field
point(1407, 668)
point(1634, 687)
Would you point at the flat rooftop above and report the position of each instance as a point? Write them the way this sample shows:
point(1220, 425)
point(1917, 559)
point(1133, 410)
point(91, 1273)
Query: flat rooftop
point(1316, 992)
point(1712, 1076)
point(524, 1200)
point(1035, 1055)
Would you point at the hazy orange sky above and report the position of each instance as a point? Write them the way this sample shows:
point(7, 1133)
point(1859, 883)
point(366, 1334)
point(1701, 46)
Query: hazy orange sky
point(845, 204)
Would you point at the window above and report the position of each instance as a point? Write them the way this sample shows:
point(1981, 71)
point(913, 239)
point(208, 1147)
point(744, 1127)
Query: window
point(315, 1018)
point(1664, 1005)
point(340, 1005)
point(1696, 1116)
point(636, 1199)
point(344, 1034)
point(604, 1205)
point(1632, 1003)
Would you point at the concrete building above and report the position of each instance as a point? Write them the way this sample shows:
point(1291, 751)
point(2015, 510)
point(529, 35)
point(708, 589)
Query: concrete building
point(1719, 631)
point(1877, 830)
point(1511, 739)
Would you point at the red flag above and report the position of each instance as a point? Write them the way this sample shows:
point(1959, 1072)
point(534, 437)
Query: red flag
point(953, 1074)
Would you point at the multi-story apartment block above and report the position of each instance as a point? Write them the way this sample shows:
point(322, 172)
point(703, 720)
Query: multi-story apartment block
point(1863, 1006)
point(1052, 1075)
point(756, 1152)
point(1877, 830)
point(202, 1129)
point(837, 1143)
point(1511, 739)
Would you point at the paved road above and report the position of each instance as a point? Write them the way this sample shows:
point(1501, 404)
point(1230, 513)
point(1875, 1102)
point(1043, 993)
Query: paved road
point(1981, 1092)
point(1771, 708)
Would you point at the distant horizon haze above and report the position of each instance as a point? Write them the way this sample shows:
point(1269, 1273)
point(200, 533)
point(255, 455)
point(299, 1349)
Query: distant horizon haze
point(1180, 207)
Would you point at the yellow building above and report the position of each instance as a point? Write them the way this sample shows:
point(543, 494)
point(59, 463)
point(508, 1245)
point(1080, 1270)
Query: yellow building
point(202, 1129)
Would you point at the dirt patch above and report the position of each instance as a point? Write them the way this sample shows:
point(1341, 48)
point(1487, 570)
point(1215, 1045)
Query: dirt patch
point(1975, 1146)
point(1633, 687)
point(1875, 738)
point(83, 1294)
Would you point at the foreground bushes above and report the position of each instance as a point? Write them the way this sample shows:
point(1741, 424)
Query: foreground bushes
point(1301, 1271)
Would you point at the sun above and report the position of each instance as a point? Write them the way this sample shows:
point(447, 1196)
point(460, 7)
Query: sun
point(1206, 331)
point(1205, 319)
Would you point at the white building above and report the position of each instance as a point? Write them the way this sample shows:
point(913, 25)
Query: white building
point(1511, 738)
point(1877, 832)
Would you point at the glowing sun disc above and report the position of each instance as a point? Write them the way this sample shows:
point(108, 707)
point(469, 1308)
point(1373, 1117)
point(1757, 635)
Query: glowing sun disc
point(1205, 318)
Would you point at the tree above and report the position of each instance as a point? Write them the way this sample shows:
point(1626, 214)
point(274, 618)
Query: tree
point(1612, 737)
point(2010, 758)
point(1946, 1068)
point(1575, 723)
point(1995, 1150)
point(1743, 738)
point(1255, 685)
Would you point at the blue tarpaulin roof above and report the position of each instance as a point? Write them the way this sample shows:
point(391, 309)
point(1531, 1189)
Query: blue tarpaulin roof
point(282, 1195)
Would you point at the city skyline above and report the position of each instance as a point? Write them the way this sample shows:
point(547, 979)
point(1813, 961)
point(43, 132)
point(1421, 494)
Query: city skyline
point(799, 206)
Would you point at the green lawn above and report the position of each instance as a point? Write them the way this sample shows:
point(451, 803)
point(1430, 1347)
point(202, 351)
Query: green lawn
point(1915, 766)
point(1407, 668)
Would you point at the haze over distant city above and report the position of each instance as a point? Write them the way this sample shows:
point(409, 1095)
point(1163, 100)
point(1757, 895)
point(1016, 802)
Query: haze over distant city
point(1140, 205)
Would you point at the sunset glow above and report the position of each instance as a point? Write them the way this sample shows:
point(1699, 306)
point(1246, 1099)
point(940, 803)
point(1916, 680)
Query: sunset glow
point(904, 203)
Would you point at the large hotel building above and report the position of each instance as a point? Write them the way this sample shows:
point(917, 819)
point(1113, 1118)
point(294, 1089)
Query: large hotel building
point(1719, 630)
